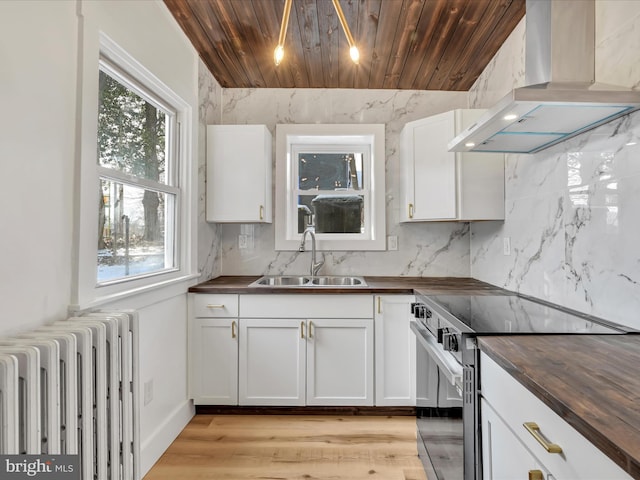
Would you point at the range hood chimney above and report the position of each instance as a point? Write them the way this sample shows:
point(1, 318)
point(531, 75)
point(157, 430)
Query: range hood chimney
point(561, 98)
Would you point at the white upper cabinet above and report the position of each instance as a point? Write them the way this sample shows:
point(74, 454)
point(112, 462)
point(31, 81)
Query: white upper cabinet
point(239, 174)
point(438, 185)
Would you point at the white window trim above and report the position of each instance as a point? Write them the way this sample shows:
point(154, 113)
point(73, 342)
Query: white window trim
point(86, 292)
point(288, 138)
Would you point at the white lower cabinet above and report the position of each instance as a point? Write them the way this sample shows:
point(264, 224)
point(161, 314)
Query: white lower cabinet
point(505, 409)
point(299, 350)
point(213, 349)
point(504, 457)
point(272, 361)
point(395, 351)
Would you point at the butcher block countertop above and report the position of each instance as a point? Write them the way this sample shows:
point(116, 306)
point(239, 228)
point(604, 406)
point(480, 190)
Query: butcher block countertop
point(591, 381)
point(379, 285)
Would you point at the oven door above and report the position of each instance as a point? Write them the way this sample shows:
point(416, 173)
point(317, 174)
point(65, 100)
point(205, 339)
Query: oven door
point(447, 363)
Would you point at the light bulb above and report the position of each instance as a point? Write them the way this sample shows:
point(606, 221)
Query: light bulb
point(355, 55)
point(469, 144)
point(510, 116)
point(278, 54)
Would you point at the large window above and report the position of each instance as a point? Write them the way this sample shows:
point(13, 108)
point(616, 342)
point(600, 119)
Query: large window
point(331, 177)
point(136, 204)
point(138, 192)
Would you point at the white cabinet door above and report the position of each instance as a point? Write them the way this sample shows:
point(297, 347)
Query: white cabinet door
point(272, 361)
point(340, 362)
point(395, 355)
point(214, 361)
point(434, 169)
point(239, 174)
point(503, 455)
point(438, 185)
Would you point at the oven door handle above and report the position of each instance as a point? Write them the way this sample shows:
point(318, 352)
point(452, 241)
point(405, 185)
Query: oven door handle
point(451, 369)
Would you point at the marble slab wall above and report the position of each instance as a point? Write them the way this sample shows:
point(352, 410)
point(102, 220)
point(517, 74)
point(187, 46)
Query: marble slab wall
point(209, 235)
point(427, 249)
point(572, 210)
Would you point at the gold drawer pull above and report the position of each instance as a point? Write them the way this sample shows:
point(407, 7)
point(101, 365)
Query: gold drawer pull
point(215, 305)
point(310, 329)
point(301, 329)
point(233, 329)
point(534, 430)
point(536, 475)
point(411, 210)
point(261, 212)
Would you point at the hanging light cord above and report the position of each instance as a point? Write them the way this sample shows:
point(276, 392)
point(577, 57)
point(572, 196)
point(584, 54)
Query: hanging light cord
point(353, 50)
point(278, 53)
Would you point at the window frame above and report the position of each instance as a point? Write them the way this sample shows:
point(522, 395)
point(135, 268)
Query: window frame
point(291, 138)
point(86, 291)
point(172, 161)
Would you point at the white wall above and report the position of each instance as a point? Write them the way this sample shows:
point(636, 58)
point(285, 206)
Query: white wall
point(45, 48)
point(38, 45)
point(572, 210)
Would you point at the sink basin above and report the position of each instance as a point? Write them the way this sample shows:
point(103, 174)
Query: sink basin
point(282, 281)
point(338, 281)
point(308, 281)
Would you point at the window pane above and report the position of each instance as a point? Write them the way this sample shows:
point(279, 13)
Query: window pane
point(330, 171)
point(133, 237)
point(331, 213)
point(131, 132)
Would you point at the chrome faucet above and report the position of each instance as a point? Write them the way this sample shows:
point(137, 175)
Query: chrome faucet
point(315, 266)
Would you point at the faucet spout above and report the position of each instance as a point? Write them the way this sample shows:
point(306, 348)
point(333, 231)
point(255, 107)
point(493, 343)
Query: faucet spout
point(315, 265)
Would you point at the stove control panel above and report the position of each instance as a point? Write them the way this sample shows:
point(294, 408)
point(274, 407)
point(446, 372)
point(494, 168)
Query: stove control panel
point(425, 316)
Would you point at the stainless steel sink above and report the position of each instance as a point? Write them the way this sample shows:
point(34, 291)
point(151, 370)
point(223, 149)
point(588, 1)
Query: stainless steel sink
point(308, 281)
point(282, 281)
point(338, 281)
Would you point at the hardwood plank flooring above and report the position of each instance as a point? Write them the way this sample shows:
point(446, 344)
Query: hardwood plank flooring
point(278, 447)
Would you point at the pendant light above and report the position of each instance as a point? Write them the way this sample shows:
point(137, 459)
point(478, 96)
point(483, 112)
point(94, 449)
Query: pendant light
point(278, 53)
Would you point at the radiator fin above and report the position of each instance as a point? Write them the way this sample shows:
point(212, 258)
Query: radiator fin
point(71, 388)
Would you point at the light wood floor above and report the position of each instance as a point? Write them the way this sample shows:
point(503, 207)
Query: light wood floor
point(276, 447)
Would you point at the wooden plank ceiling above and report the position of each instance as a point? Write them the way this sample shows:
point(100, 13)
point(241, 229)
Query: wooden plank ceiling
point(404, 44)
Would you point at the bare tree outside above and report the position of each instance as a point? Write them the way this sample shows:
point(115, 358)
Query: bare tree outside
point(131, 141)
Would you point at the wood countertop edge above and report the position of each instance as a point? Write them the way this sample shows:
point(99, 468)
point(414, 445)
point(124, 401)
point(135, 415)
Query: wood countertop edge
point(375, 285)
point(604, 443)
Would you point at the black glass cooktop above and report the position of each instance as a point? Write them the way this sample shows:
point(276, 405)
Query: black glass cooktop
point(513, 314)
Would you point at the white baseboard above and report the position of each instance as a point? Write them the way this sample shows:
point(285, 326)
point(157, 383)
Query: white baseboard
point(153, 448)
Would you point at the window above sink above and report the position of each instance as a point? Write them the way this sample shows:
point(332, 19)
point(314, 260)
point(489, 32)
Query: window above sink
point(333, 176)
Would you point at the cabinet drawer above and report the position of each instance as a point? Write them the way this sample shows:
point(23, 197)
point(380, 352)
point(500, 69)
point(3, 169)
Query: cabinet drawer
point(306, 306)
point(206, 305)
point(516, 405)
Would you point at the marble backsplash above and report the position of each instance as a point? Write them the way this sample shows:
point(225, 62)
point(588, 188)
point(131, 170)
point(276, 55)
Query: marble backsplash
point(428, 249)
point(209, 235)
point(571, 210)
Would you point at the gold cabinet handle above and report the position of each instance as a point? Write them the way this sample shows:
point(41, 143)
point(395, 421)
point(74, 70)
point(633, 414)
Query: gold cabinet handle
point(261, 212)
point(301, 329)
point(233, 329)
point(411, 210)
point(536, 475)
point(215, 305)
point(379, 304)
point(310, 329)
point(534, 430)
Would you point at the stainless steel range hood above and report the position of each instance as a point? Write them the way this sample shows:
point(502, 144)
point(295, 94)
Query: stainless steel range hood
point(561, 99)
